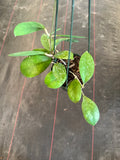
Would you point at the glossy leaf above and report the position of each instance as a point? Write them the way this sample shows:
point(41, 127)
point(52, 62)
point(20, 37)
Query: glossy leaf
point(90, 111)
point(68, 36)
point(34, 65)
point(73, 40)
point(86, 67)
point(74, 91)
point(64, 55)
point(52, 82)
point(45, 40)
point(27, 53)
point(64, 39)
point(27, 28)
point(41, 49)
point(56, 78)
point(59, 72)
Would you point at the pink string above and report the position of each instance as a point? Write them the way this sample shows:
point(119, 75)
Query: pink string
point(54, 125)
point(16, 118)
point(93, 86)
point(8, 27)
point(92, 143)
point(11, 142)
point(94, 57)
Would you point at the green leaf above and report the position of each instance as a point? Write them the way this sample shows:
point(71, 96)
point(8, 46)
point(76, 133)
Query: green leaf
point(90, 111)
point(86, 66)
point(73, 40)
point(59, 72)
point(27, 28)
point(68, 36)
point(45, 40)
point(52, 82)
point(64, 39)
point(27, 53)
point(34, 65)
point(74, 91)
point(64, 55)
point(56, 30)
point(56, 78)
point(41, 49)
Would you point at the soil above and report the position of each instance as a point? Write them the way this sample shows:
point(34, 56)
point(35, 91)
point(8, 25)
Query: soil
point(73, 67)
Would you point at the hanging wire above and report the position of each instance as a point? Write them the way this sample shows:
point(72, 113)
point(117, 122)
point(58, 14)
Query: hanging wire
point(71, 29)
point(56, 18)
point(89, 24)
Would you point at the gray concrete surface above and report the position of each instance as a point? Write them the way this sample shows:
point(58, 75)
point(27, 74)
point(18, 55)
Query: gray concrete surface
point(72, 139)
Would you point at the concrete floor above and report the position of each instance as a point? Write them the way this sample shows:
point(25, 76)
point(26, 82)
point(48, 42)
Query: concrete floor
point(72, 139)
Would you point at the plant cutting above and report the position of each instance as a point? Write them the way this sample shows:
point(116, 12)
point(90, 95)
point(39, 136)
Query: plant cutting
point(80, 70)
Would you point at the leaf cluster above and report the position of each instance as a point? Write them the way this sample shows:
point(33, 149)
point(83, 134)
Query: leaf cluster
point(39, 59)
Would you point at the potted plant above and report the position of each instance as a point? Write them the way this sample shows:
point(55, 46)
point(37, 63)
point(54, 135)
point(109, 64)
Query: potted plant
point(73, 77)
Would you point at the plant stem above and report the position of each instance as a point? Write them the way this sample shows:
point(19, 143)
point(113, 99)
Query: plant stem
point(56, 50)
point(77, 78)
point(82, 85)
point(82, 92)
point(49, 55)
point(63, 62)
point(72, 65)
point(49, 35)
point(46, 32)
